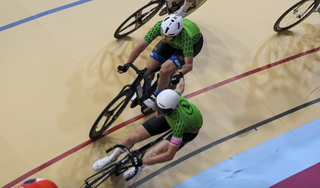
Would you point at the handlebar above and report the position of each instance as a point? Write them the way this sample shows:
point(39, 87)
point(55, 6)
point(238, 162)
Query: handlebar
point(119, 146)
point(126, 159)
point(145, 71)
point(134, 67)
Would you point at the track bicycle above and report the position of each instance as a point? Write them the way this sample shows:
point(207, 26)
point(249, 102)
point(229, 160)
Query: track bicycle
point(296, 14)
point(148, 11)
point(117, 168)
point(113, 110)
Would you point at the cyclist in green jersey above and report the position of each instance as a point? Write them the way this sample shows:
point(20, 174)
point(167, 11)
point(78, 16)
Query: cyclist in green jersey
point(172, 111)
point(181, 40)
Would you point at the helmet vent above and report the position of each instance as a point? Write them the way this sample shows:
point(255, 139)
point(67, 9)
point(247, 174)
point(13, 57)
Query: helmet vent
point(167, 29)
point(166, 19)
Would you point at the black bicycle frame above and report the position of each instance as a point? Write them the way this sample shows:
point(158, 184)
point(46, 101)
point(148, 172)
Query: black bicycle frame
point(122, 165)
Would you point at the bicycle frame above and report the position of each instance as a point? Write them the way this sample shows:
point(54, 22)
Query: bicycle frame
point(141, 92)
point(121, 166)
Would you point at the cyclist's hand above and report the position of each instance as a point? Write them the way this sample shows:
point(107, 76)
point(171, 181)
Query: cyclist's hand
point(124, 68)
point(176, 78)
point(136, 161)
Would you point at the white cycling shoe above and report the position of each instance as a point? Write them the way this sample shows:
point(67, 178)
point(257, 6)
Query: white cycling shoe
point(149, 102)
point(129, 174)
point(99, 164)
point(180, 12)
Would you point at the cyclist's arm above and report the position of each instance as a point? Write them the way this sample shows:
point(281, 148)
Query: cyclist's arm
point(137, 51)
point(167, 156)
point(180, 86)
point(188, 65)
point(187, 50)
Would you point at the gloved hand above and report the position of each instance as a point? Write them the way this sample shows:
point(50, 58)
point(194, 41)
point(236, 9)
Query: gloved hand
point(136, 161)
point(176, 78)
point(123, 68)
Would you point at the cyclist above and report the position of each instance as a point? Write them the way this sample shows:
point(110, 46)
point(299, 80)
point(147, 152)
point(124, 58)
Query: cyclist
point(172, 111)
point(181, 40)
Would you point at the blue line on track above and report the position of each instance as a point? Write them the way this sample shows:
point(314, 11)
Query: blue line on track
point(8, 26)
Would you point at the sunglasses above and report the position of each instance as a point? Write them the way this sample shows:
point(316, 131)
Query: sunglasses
point(166, 37)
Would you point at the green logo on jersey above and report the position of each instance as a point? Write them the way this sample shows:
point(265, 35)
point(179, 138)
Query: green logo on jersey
point(186, 107)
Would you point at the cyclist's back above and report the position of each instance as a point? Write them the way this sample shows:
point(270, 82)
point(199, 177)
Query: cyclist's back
point(189, 36)
point(186, 118)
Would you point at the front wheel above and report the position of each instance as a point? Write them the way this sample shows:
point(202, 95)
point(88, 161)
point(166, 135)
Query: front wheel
point(295, 14)
point(110, 113)
point(138, 19)
point(98, 178)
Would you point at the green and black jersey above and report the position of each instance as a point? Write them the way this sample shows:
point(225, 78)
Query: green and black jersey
point(186, 118)
point(189, 36)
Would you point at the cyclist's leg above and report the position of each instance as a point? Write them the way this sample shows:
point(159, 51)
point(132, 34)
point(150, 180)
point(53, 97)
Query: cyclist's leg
point(167, 68)
point(160, 54)
point(140, 134)
point(157, 57)
point(151, 127)
point(163, 146)
point(182, 11)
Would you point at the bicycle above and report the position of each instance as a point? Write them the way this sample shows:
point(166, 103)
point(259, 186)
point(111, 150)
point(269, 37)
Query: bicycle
point(113, 110)
point(296, 14)
point(120, 166)
point(148, 11)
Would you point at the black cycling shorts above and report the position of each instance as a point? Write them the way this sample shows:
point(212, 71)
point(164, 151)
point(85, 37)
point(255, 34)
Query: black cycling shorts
point(163, 51)
point(156, 126)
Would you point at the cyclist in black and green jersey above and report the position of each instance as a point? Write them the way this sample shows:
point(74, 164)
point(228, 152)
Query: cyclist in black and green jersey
point(172, 112)
point(181, 40)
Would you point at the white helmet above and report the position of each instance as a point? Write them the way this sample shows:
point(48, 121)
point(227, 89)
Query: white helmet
point(167, 101)
point(172, 25)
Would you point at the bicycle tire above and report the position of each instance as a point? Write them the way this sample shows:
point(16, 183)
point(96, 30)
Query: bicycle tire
point(112, 114)
point(105, 174)
point(140, 19)
point(281, 20)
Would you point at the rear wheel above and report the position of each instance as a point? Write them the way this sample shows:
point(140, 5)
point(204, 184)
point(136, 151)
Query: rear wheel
point(110, 113)
point(295, 14)
point(138, 19)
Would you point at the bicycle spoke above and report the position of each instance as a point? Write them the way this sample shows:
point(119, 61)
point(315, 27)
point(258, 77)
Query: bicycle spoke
point(110, 114)
point(137, 19)
point(297, 14)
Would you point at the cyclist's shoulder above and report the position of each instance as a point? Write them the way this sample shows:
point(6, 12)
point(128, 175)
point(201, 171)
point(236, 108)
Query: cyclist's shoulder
point(188, 22)
point(156, 26)
point(153, 32)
